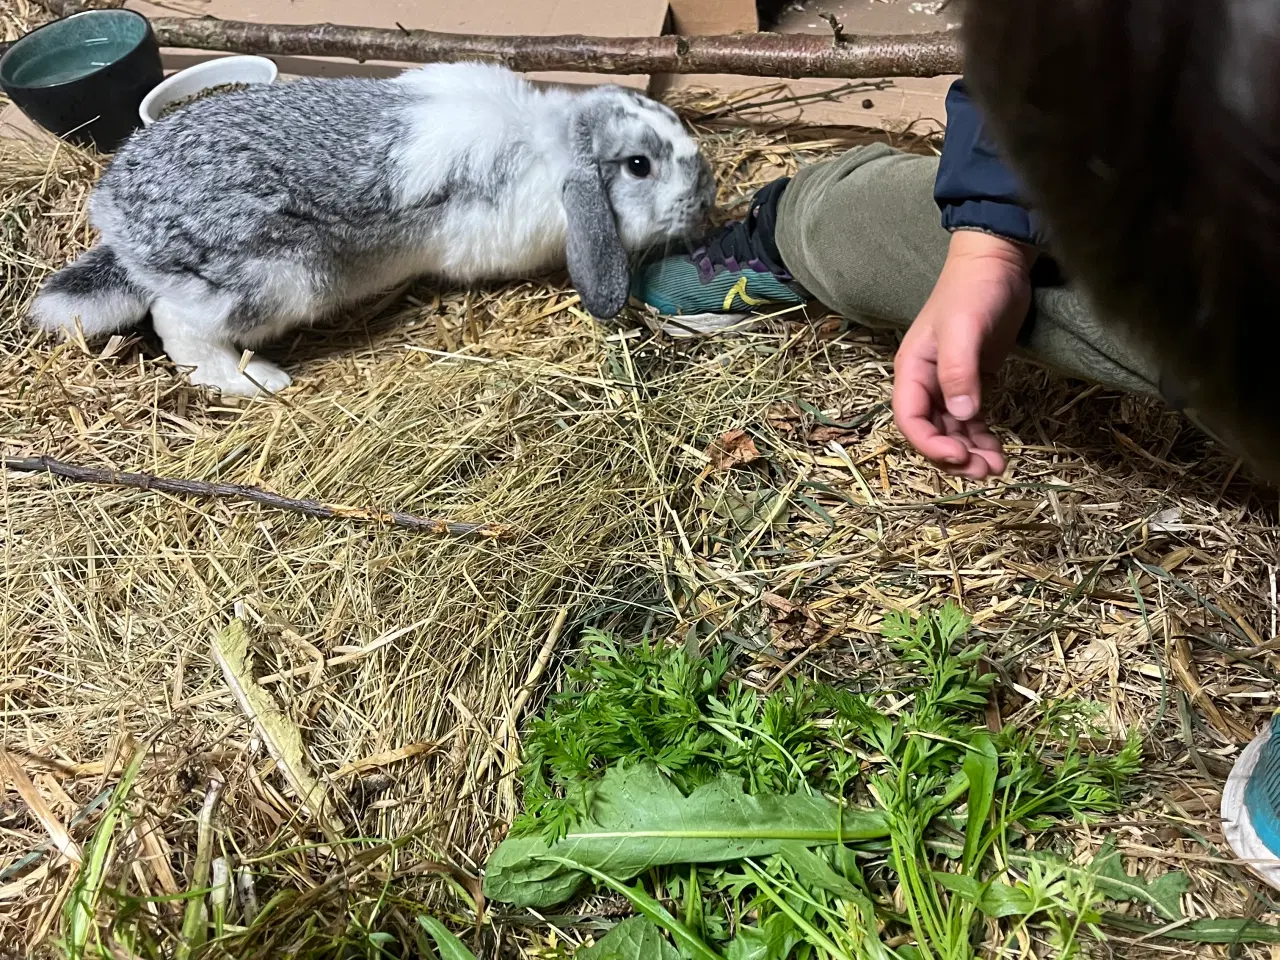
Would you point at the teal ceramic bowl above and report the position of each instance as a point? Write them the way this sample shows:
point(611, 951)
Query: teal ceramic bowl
point(83, 77)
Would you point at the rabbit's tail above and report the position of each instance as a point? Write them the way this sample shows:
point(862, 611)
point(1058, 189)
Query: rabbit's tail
point(94, 291)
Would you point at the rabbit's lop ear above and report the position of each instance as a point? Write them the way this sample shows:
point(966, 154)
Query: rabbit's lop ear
point(596, 258)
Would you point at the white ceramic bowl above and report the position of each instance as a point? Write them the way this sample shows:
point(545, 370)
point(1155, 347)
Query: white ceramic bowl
point(202, 76)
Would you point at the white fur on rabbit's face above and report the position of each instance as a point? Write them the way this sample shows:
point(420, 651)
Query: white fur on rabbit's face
point(659, 184)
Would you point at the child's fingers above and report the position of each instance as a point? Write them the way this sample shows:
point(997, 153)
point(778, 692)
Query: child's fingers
point(960, 344)
point(915, 409)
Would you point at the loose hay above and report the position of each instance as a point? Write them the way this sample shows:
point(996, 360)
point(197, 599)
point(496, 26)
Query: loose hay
point(176, 105)
point(1121, 561)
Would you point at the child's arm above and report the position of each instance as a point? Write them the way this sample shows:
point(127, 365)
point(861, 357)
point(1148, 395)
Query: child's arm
point(978, 305)
point(974, 188)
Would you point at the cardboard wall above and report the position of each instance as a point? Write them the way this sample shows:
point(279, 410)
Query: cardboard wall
point(709, 18)
point(632, 18)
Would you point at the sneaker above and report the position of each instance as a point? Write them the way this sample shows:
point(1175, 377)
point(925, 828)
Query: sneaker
point(1251, 805)
point(733, 269)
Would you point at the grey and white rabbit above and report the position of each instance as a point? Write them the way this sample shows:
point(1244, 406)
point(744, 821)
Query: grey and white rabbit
point(252, 212)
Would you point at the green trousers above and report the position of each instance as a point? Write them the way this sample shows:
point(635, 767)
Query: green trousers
point(862, 234)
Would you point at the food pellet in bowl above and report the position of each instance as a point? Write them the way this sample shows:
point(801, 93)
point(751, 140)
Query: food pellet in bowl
point(200, 95)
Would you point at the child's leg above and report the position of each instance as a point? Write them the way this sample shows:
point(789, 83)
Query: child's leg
point(862, 235)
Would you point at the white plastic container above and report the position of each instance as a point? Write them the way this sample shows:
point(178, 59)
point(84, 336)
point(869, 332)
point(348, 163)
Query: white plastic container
point(202, 76)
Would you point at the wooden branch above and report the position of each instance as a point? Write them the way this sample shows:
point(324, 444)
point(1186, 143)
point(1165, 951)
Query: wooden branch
point(235, 491)
point(784, 56)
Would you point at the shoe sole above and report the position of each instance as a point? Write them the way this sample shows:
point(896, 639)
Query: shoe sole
point(1237, 823)
point(701, 324)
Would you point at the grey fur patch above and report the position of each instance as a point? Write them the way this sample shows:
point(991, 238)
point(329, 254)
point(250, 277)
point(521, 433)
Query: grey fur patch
point(655, 146)
point(459, 187)
point(594, 253)
point(94, 293)
point(217, 186)
point(95, 272)
point(697, 169)
point(597, 262)
point(648, 103)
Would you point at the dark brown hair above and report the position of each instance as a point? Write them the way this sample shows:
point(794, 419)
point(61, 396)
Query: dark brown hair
point(1148, 135)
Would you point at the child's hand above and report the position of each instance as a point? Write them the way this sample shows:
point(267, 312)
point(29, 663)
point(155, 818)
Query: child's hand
point(966, 328)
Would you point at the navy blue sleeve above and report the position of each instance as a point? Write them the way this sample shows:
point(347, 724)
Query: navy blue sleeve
point(974, 189)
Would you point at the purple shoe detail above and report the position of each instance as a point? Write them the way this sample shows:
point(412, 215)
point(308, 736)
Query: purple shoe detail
point(742, 246)
point(759, 266)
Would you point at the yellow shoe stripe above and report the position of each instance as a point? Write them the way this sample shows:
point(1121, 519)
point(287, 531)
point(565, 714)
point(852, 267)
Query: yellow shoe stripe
point(740, 289)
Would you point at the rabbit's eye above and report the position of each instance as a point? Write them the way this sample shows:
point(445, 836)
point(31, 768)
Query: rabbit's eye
point(639, 166)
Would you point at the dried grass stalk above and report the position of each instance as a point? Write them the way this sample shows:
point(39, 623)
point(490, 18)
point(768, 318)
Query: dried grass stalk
point(281, 736)
point(13, 773)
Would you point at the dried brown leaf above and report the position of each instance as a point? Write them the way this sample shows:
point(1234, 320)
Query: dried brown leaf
point(793, 626)
point(733, 449)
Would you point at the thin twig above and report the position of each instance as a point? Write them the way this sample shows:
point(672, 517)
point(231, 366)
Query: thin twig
point(834, 95)
point(236, 491)
point(750, 54)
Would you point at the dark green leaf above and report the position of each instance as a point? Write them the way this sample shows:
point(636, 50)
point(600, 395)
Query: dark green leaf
point(773, 940)
point(637, 938)
point(993, 898)
point(981, 766)
point(814, 871)
point(451, 948)
point(1164, 894)
point(651, 909)
point(693, 912)
point(640, 820)
point(1202, 931)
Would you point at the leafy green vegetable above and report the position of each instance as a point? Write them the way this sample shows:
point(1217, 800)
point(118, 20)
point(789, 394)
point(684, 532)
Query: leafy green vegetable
point(1161, 894)
point(817, 873)
point(636, 938)
point(994, 898)
point(772, 940)
point(1164, 894)
point(811, 932)
point(820, 823)
point(450, 947)
point(981, 766)
point(652, 910)
point(639, 820)
point(1212, 930)
point(953, 686)
point(666, 707)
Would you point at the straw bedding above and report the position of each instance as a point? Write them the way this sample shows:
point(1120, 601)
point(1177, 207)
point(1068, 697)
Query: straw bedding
point(1122, 560)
